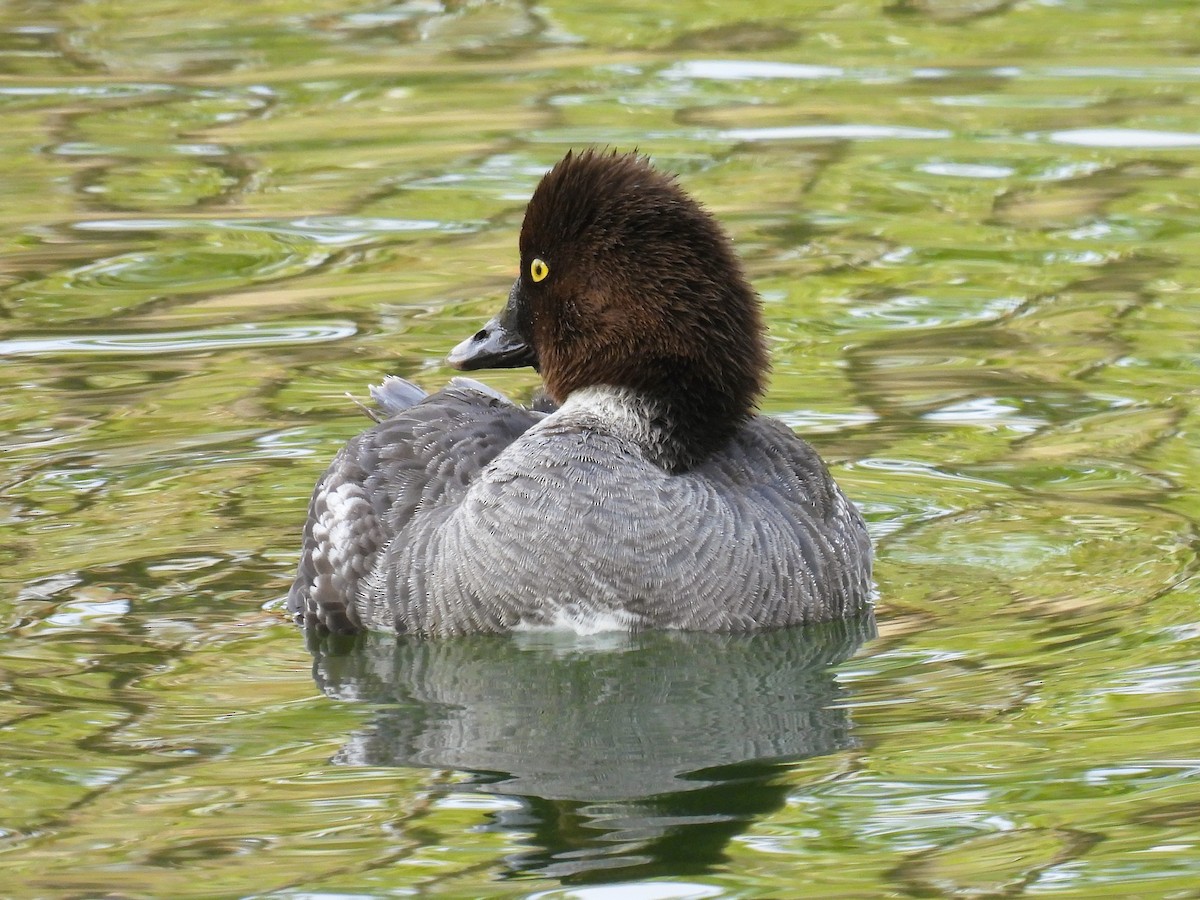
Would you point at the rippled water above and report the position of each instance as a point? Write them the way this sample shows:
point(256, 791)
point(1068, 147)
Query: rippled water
point(976, 228)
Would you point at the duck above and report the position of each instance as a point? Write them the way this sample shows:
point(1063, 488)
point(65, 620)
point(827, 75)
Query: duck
point(642, 490)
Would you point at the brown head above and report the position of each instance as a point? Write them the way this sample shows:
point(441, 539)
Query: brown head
point(627, 282)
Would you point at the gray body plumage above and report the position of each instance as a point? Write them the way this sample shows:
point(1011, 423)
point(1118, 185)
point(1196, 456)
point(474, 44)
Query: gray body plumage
point(466, 513)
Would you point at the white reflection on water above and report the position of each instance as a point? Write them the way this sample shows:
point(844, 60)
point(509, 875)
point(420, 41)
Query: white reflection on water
point(744, 70)
point(244, 335)
point(1124, 137)
point(835, 131)
point(634, 890)
point(966, 170)
point(334, 230)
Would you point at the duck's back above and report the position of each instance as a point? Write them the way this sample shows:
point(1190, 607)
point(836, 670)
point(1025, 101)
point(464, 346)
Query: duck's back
point(423, 456)
point(465, 514)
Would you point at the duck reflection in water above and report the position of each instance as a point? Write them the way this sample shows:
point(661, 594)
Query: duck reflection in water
point(630, 755)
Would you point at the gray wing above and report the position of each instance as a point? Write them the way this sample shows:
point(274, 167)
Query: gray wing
point(786, 485)
point(421, 457)
point(576, 524)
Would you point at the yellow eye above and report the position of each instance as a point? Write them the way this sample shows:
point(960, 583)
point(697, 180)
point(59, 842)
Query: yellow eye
point(538, 270)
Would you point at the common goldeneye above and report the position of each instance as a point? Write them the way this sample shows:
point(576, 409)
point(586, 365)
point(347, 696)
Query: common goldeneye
point(651, 497)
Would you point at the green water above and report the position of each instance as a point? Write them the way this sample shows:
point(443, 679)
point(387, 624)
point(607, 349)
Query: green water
point(975, 225)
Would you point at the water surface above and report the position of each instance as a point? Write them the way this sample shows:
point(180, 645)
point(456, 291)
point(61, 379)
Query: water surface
point(974, 226)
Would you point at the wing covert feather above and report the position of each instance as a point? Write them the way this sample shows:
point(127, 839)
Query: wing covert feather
point(741, 542)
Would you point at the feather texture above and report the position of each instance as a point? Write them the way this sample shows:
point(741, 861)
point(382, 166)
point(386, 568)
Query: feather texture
point(466, 513)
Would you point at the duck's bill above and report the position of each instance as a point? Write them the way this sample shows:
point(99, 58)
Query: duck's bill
point(494, 346)
point(499, 344)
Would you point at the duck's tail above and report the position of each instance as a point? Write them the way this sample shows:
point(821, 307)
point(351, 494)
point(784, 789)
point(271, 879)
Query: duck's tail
point(393, 396)
point(397, 394)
